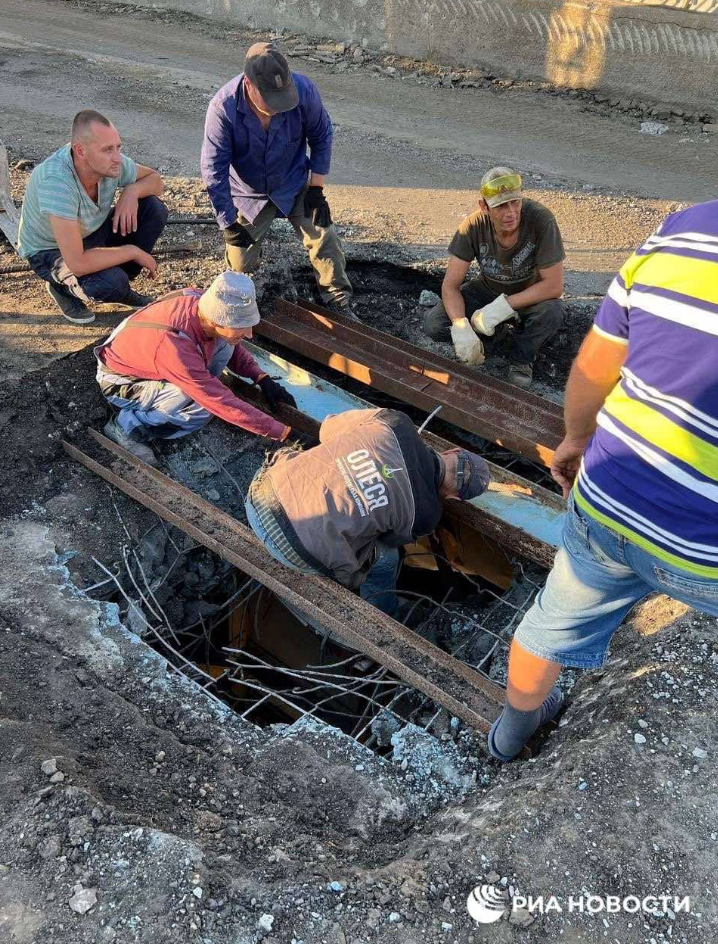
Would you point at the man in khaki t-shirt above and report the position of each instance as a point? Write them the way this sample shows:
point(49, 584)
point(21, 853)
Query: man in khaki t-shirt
point(517, 245)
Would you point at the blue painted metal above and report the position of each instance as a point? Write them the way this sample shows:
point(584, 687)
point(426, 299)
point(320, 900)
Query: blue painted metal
point(527, 507)
point(315, 397)
point(527, 512)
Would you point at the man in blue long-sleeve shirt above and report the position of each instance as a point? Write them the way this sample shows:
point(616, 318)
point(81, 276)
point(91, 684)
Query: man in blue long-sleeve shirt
point(256, 167)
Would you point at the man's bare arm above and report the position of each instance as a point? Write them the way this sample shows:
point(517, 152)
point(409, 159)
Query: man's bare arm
point(450, 295)
point(549, 285)
point(81, 261)
point(148, 184)
point(594, 374)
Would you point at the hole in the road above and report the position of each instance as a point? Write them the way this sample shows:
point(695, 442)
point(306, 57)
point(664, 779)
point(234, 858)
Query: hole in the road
point(267, 660)
point(271, 664)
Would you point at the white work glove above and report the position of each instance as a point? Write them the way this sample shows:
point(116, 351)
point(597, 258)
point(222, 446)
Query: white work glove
point(468, 347)
point(484, 320)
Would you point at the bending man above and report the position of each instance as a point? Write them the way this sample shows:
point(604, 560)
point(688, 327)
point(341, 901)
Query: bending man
point(160, 368)
point(640, 460)
point(69, 232)
point(517, 245)
point(256, 168)
point(344, 507)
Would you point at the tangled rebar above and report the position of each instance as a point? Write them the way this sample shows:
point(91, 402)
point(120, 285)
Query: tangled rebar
point(352, 691)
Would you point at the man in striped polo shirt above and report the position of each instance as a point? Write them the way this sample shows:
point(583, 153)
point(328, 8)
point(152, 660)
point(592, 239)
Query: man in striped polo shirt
point(70, 233)
point(639, 466)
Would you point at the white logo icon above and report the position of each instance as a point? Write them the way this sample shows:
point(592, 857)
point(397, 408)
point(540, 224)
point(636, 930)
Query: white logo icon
point(487, 903)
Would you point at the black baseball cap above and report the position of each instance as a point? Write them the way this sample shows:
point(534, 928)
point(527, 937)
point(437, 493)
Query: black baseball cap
point(472, 475)
point(267, 68)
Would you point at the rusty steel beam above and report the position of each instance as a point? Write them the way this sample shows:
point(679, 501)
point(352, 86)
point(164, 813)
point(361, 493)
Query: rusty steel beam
point(446, 680)
point(498, 411)
point(507, 534)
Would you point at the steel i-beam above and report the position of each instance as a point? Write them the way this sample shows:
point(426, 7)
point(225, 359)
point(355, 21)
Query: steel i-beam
point(516, 419)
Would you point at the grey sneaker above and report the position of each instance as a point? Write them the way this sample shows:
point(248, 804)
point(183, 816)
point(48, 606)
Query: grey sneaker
point(134, 299)
point(72, 308)
point(115, 432)
point(521, 375)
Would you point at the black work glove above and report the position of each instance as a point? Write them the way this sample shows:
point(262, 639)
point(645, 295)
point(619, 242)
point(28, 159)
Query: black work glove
point(237, 235)
point(275, 394)
point(298, 440)
point(316, 206)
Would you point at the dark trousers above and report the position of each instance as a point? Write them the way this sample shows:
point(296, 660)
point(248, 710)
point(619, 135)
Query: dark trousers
point(537, 323)
point(107, 285)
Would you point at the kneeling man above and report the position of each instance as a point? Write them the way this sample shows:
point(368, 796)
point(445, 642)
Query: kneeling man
point(160, 367)
point(69, 232)
point(344, 507)
point(517, 245)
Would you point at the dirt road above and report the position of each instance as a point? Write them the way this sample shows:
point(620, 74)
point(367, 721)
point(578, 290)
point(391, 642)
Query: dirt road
point(406, 157)
point(49, 73)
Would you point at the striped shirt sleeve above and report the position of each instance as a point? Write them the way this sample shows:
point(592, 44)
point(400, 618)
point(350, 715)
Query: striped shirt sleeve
point(59, 196)
point(128, 172)
point(612, 320)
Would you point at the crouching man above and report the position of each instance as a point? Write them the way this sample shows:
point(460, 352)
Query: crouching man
point(69, 232)
point(344, 507)
point(160, 367)
point(517, 245)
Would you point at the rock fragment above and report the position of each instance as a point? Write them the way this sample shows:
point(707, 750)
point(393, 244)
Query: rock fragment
point(83, 900)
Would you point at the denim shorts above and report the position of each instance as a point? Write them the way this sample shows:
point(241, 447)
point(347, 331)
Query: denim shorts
point(597, 577)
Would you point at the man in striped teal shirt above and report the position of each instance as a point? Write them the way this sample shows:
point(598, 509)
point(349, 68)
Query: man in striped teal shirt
point(639, 465)
point(70, 233)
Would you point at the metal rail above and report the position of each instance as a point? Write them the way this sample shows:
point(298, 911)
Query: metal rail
point(444, 679)
point(501, 412)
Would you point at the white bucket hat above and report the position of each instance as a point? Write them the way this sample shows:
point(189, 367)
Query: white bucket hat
point(231, 301)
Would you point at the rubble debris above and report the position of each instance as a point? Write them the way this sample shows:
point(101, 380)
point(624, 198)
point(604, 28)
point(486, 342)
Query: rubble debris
point(265, 923)
point(83, 900)
point(521, 917)
point(653, 127)
point(383, 727)
point(428, 299)
point(435, 766)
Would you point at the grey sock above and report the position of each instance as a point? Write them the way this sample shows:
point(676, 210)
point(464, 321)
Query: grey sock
point(515, 727)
